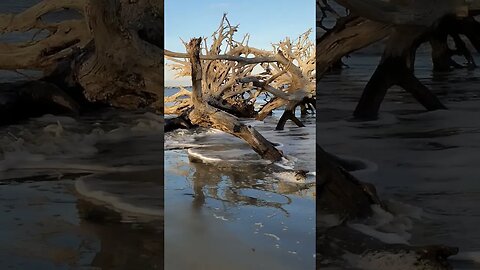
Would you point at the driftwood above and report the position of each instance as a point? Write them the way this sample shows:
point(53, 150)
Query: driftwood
point(405, 25)
point(349, 35)
point(396, 68)
point(203, 114)
point(112, 54)
point(126, 68)
point(454, 27)
point(341, 195)
point(232, 84)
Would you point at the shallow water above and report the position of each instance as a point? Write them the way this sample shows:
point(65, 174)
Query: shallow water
point(229, 209)
point(425, 159)
point(82, 193)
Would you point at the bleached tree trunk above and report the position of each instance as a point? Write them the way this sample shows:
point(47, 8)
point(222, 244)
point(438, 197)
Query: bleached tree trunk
point(232, 84)
point(205, 115)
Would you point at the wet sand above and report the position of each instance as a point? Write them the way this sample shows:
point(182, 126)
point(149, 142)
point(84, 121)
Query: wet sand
point(225, 208)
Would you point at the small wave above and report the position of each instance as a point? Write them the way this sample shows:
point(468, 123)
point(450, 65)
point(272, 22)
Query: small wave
point(272, 235)
point(386, 237)
point(286, 164)
point(471, 256)
point(393, 226)
point(356, 165)
point(71, 167)
point(56, 142)
point(96, 190)
point(212, 156)
point(291, 176)
point(179, 145)
point(327, 221)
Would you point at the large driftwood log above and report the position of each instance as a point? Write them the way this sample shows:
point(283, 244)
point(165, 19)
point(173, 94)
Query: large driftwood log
point(339, 193)
point(349, 35)
point(126, 68)
point(405, 25)
point(234, 85)
point(385, 20)
point(113, 54)
point(396, 68)
point(43, 54)
point(205, 115)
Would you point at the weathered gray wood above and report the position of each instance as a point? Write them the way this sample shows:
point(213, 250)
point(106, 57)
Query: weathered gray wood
point(205, 115)
point(349, 35)
point(233, 86)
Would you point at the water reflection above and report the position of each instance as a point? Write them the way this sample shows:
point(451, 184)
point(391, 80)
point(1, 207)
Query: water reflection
point(425, 159)
point(122, 245)
point(236, 187)
point(46, 226)
point(229, 209)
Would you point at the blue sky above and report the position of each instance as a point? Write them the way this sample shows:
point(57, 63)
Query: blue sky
point(267, 21)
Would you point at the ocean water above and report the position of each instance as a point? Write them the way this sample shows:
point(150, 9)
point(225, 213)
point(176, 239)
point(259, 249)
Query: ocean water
point(81, 193)
point(88, 193)
point(426, 160)
point(228, 209)
point(84, 192)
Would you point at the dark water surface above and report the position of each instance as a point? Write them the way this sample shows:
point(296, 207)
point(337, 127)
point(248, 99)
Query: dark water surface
point(82, 194)
point(425, 159)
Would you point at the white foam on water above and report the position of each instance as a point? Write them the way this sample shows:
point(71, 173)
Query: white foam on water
point(220, 217)
point(272, 235)
point(401, 209)
point(285, 164)
point(215, 158)
point(179, 145)
point(327, 221)
point(389, 238)
point(288, 176)
point(368, 166)
point(37, 165)
point(203, 158)
point(180, 139)
point(50, 118)
point(55, 142)
point(390, 227)
point(114, 201)
point(471, 256)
